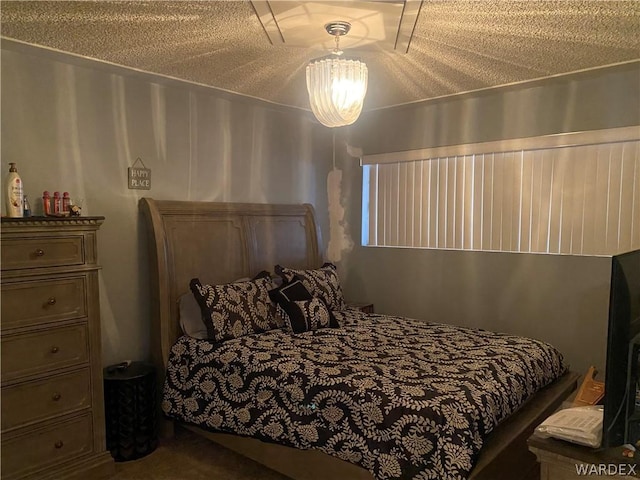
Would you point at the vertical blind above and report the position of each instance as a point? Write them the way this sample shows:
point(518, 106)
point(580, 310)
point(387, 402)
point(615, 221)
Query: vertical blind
point(566, 200)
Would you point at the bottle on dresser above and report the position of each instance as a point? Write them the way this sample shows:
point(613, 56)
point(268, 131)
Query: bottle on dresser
point(14, 193)
point(57, 203)
point(46, 203)
point(66, 202)
point(26, 210)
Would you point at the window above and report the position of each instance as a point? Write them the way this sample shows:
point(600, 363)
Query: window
point(546, 196)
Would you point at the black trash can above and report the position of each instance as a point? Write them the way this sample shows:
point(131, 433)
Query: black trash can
point(130, 410)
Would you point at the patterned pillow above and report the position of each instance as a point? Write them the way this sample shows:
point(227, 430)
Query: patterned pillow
point(190, 314)
point(236, 309)
point(307, 315)
point(322, 283)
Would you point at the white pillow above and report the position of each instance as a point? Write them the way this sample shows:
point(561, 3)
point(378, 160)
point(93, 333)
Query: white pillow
point(191, 317)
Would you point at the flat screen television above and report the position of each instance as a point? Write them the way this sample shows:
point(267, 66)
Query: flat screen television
point(621, 422)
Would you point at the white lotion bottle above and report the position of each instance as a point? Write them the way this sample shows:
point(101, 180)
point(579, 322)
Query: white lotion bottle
point(14, 193)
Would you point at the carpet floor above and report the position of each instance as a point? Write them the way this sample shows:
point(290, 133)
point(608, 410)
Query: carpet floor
point(188, 456)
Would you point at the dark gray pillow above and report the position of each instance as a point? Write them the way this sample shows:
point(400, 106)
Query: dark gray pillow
point(307, 315)
point(321, 282)
point(302, 311)
point(289, 291)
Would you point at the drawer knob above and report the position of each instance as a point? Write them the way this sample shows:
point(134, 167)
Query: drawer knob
point(39, 252)
point(51, 301)
point(55, 349)
point(58, 444)
point(56, 396)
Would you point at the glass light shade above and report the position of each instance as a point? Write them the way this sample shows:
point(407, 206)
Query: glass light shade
point(336, 87)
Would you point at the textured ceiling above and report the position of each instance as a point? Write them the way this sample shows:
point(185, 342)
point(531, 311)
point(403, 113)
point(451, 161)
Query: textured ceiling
point(457, 46)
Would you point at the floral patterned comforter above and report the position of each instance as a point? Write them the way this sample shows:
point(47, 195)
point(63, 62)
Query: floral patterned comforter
point(402, 398)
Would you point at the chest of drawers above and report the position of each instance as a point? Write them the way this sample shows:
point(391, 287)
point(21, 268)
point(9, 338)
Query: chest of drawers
point(52, 419)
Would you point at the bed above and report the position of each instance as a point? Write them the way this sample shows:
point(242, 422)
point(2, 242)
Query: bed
point(222, 242)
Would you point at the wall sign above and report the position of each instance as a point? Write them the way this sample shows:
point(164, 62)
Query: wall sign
point(139, 177)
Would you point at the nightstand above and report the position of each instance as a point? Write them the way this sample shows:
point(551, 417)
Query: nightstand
point(560, 460)
point(362, 306)
point(130, 410)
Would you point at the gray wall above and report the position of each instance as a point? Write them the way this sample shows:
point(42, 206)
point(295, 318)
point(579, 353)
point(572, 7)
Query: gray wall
point(591, 100)
point(77, 129)
point(560, 299)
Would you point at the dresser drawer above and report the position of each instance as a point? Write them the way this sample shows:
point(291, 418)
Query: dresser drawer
point(43, 351)
point(34, 450)
point(34, 303)
point(41, 252)
point(32, 401)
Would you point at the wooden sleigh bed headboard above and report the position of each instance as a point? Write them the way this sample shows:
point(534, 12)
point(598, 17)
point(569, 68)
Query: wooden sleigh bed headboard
point(218, 243)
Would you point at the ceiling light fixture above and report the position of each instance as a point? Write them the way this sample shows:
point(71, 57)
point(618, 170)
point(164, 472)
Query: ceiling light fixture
point(336, 85)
